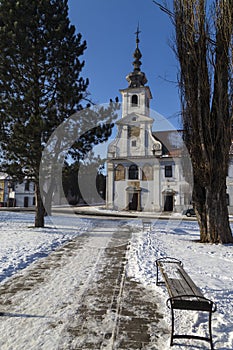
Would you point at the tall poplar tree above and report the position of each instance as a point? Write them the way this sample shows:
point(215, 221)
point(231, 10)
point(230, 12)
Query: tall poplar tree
point(203, 44)
point(40, 83)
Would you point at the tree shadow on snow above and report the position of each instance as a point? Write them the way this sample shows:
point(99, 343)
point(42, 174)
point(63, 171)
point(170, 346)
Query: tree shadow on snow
point(9, 314)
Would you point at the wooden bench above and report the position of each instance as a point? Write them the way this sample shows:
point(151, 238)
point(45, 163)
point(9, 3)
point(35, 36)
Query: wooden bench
point(146, 224)
point(184, 295)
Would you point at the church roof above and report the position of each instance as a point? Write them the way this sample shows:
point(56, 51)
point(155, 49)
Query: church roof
point(172, 142)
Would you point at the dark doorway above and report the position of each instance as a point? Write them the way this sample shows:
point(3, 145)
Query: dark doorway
point(168, 203)
point(133, 201)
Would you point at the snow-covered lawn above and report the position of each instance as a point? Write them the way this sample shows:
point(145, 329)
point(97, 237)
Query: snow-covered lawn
point(210, 266)
point(21, 243)
point(39, 300)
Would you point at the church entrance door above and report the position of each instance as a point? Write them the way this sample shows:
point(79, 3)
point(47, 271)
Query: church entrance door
point(133, 198)
point(133, 201)
point(168, 202)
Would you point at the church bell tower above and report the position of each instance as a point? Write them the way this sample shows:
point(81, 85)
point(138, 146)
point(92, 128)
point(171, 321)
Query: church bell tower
point(136, 98)
point(132, 155)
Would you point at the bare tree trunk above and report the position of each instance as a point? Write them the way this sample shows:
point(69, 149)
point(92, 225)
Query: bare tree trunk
point(199, 201)
point(207, 108)
point(218, 228)
point(40, 211)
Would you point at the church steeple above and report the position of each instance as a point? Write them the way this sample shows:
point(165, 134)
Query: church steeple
point(137, 78)
point(136, 97)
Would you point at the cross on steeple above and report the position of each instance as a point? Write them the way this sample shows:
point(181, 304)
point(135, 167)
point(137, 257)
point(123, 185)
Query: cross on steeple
point(137, 35)
point(137, 78)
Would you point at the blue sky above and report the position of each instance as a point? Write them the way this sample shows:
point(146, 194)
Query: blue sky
point(108, 26)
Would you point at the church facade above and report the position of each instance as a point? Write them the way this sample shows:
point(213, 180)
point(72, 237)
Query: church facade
point(149, 171)
point(144, 168)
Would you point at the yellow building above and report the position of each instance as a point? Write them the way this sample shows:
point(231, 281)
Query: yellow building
point(3, 188)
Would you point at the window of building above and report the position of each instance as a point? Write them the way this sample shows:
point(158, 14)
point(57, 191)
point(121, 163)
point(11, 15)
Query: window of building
point(133, 172)
point(168, 170)
point(146, 139)
point(134, 143)
point(119, 172)
point(134, 101)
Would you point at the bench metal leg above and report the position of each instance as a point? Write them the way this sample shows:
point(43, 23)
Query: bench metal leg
point(183, 336)
point(210, 331)
point(172, 331)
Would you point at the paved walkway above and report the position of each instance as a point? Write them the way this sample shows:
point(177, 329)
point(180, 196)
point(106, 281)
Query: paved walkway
point(106, 309)
point(113, 313)
point(115, 306)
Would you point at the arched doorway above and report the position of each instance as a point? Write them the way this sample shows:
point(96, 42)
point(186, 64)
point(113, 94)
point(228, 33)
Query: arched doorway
point(133, 201)
point(133, 198)
point(168, 202)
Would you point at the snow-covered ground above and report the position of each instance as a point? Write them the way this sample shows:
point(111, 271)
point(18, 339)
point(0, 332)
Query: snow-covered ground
point(210, 266)
point(22, 246)
point(21, 243)
point(42, 295)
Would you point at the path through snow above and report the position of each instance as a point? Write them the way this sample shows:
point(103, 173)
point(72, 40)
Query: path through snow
point(78, 297)
point(39, 301)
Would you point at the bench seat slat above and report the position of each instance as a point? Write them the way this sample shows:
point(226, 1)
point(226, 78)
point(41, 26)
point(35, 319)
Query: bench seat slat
point(176, 287)
point(180, 286)
point(195, 290)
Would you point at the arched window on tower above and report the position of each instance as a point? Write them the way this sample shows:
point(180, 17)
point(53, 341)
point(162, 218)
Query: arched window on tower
point(134, 101)
point(133, 172)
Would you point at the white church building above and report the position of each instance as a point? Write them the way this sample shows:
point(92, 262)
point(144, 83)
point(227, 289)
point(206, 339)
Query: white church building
point(145, 169)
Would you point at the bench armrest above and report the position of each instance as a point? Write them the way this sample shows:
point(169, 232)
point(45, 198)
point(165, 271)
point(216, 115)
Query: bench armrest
point(167, 260)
